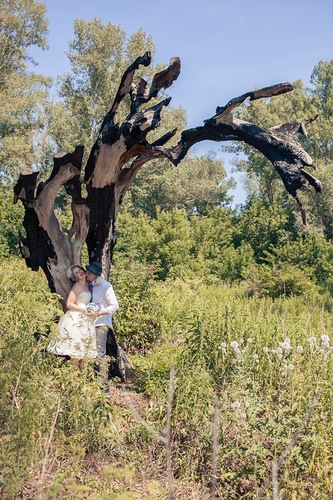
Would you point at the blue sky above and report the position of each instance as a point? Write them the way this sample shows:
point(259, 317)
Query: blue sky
point(226, 47)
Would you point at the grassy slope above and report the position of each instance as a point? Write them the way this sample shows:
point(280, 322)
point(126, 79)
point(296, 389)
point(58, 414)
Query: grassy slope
point(232, 359)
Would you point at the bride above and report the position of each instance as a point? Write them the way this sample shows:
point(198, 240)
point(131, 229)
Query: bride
point(76, 330)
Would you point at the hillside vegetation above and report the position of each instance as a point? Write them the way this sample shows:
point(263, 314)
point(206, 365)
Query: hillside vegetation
point(225, 311)
point(259, 367)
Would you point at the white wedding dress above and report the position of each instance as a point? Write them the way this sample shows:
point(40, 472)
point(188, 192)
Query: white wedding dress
point(76, 333)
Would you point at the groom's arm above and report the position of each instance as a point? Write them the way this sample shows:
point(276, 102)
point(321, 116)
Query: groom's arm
point(111, 300)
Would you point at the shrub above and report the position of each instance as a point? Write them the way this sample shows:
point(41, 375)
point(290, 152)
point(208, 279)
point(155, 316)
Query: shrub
point(276, 281)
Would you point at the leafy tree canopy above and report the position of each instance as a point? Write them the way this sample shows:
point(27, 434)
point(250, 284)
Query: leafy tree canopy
point(23, 94)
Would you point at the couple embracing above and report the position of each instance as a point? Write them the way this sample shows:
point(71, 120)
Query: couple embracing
point(83, 330)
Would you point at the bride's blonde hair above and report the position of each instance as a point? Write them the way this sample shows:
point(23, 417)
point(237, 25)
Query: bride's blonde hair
point(69, 272)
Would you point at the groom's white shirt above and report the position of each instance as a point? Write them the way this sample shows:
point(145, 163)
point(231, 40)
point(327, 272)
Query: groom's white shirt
point(104, 296)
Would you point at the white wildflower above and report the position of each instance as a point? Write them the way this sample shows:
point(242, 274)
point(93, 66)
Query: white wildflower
point(285, 346)
point(312, 340)
point(222, 347)
point(325, 339)
point(278, 350)
point(255, 356)
point(299, 348)
point(290, 367)
point(325, 344)
point(265, 350)
point(236, 405)
point(249, 340)
point(234, 344)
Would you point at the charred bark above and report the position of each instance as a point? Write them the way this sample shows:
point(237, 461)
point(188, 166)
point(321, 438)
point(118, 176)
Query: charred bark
point(114, 161)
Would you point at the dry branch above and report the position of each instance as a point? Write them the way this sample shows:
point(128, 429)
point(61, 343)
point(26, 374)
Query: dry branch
point(116, 158)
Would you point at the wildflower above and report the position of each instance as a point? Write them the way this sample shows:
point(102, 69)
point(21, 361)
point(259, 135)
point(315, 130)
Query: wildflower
point(285, 345)
point(325, 339)
point(255, 357)
point(290, 367)
point(322, 351)
point(249, 340)
point(234, 344)
point(265, 350)
point(278, 350)
point(312, 340)
point(236, 405)
point(325, 344)
point(299, 348)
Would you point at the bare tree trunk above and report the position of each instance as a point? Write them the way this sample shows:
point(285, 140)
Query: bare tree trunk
point(114, 161)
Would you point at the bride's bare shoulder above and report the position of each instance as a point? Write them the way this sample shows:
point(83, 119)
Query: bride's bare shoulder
point(78, 288)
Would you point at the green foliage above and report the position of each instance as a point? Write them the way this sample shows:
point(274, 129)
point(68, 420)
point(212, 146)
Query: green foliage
point(310, 253)
point(303, 103)
point(22, 25)
point(99, 54)
point(46, 407)
point(164, 242)
point(197, 185)
point(264, 227)
point(261, 177)
point(22, 93)
point(136, 323)
point(260, 357)
point(214, 248)
point(276, 281)
point(10, 221)
point(322, 96)
point(179, 246)
point(180, 257)
point(320, 143)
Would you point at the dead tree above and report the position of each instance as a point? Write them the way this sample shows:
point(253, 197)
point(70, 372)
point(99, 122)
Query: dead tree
point(115, 159)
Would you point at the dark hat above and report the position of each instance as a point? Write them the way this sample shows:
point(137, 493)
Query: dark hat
point(95, 268)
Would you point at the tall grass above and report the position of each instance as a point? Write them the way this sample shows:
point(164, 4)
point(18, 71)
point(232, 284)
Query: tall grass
point(262, 359)
point(246, 372)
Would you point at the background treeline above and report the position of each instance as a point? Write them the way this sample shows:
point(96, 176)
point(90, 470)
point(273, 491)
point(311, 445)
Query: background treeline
point(237, 298)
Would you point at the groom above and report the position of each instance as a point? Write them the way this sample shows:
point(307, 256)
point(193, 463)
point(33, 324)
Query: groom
point(103, 295)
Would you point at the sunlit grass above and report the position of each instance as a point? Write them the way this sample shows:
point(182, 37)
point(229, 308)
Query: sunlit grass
point(264, 360)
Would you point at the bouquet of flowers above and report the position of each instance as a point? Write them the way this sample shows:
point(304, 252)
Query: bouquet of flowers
point(92, 307)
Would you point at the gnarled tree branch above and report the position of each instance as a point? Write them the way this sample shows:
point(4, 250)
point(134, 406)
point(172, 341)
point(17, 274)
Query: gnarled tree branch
point(116, 158)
